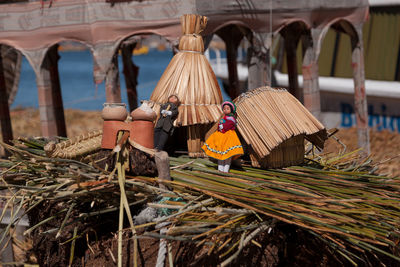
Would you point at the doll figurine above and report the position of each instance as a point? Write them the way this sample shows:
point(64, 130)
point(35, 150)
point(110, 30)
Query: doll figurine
point(165, 124)
point(224, 143)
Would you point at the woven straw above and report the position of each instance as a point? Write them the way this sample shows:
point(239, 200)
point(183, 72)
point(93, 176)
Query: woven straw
point(190, 77)
point(274, 124)
point(75, 147)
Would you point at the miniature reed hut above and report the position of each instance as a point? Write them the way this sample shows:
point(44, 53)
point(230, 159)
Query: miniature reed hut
point(190, 77)
point(274, 125)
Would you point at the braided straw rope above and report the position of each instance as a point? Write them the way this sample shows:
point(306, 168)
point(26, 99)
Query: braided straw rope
point(76, 146)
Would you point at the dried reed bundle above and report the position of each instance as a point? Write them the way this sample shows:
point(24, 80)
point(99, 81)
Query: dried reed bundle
point(268, 118)
point(190, 77)
point(338, 200)
point(76, 146)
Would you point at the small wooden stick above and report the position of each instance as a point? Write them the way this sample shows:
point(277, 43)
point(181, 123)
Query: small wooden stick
point(118, 147)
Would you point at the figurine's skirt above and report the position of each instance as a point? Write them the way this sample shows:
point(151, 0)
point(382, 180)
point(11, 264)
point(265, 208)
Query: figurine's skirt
point(223, 145)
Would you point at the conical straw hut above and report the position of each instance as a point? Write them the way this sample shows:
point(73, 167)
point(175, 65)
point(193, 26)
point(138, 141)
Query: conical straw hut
point(190, 77)
point(274, 125)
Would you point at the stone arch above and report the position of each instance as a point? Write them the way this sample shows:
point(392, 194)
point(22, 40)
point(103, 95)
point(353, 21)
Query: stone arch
point(292, 34)
point(342, 25)
point(106, 63)
point(130, 70)
point(290, 22)
point(10, 69)
point(232, 33)
point(11, 64)
point(51, 105)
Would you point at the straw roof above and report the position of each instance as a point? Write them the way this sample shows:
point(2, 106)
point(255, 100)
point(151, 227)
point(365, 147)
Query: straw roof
point(267, 117)
point(190, 77)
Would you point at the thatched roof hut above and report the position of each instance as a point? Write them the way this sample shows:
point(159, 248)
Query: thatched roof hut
point(274, 124)
point(190, 77)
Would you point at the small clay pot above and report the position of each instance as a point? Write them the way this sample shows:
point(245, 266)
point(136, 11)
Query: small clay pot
point(114, 112)
point(143, 113)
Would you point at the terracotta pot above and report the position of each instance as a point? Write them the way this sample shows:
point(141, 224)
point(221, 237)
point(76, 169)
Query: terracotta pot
point(143, 113)
point(114, 112)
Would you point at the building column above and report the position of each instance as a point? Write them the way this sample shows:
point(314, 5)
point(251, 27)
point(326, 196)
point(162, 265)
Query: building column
point(207, 40)
point(291, 41)
point(311, 93)
point(232, 37)
point(360, 98)
point(113, 90)
point(50, 99)
point(258, 60)
point(5, 120)
point(131, 72)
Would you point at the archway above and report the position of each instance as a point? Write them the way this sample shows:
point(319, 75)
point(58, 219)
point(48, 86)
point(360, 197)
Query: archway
point(232, 35)
point(348, 61)
point(142, 59)
point(10, 66)
point(293, 53)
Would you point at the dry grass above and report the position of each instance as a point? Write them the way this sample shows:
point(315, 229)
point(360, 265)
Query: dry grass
point(26, 122)
point(384, 144)
point(385, 148)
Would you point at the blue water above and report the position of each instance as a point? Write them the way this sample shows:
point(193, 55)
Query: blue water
point(77, 86)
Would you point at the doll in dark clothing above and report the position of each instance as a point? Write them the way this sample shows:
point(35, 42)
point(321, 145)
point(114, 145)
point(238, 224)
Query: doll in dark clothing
point(165, 124)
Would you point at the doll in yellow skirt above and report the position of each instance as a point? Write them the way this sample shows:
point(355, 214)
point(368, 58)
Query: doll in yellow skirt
point(224, 143)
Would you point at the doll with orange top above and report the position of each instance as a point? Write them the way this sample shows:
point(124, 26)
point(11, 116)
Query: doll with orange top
point(224, 144)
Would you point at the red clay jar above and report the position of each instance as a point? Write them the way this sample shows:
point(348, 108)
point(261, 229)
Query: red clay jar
point(114, 112)
point(143, 113)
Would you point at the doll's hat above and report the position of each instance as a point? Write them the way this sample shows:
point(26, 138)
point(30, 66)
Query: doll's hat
point(231, 104)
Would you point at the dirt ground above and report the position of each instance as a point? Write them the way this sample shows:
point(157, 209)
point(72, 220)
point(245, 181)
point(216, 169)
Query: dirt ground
point(385, 145)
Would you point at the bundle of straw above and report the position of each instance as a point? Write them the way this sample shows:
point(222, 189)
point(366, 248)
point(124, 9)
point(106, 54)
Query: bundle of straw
point(190, 77)
point(338, 200)
point(268, 118)
point(75, 147)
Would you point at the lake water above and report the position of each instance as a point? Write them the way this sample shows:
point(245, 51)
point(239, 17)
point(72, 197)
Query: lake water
point(78, 88)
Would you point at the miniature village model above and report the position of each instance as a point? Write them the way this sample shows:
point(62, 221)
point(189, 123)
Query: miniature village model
point(190, 77)
point(109, 198)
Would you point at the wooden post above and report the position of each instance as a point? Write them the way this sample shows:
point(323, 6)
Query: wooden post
point(291, 35)
point(258, 60)
point(131, 72)
point(207, 40)
point(162, 163)
point(311, 92)
point(5, 120)
point(291, 41)
point(360, 98)
point(49, 92)
point(232, 37)
point(113, 90)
